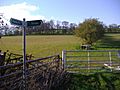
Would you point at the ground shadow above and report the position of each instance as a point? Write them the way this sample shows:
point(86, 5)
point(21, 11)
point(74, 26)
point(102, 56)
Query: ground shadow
point(108, 41)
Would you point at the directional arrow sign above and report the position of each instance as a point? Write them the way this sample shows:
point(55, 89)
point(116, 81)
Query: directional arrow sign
point(15, 22)
point(34, 23)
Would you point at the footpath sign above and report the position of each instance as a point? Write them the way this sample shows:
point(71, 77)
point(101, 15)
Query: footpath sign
point(25, 24)
point(15, 22)
point(34, 23)
point(28, 23)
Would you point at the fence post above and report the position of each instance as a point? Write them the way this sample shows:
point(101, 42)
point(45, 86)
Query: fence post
point(88, 61)
point(110, 59)
point(63, 59)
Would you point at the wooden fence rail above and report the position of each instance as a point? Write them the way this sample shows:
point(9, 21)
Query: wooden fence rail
point(11, 58)
point(11, 74)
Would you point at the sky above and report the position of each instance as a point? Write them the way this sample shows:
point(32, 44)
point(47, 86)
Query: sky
point(73, 11)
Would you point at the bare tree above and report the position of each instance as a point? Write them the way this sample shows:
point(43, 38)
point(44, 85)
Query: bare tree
point(51, 24)
point(65, 24)
point(58, 24)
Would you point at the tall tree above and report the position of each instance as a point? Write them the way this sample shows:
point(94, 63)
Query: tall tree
point(90, 31)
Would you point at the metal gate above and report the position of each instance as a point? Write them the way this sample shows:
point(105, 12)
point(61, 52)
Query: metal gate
point(91, 61)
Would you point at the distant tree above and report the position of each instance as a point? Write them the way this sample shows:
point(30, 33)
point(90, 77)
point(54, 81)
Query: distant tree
point(72, 26)
point(65, 26)
point(113, 28)
point(47, 27)
point(58, 25)
point(3, 26)
point(16, 32)
point(6, 28)
point(105, 28)
point(51, 24)
point(90, 31)
point(118, 26)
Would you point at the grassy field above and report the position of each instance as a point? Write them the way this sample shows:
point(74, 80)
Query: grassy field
point(41, 46)
point(109, 41)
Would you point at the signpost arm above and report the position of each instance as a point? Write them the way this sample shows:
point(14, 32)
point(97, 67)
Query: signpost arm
point(24, 54)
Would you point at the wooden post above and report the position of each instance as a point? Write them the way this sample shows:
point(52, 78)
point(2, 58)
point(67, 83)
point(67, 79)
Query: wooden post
point(2, 62)
point(110, 59)
point(64, 59)
point(88, 61)
point(24, 54)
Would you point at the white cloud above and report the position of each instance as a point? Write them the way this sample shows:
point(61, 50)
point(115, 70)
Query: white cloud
point(20, 11)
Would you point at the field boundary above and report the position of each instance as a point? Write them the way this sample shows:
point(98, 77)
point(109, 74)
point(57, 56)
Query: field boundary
point(44, 68)
point(90, 61)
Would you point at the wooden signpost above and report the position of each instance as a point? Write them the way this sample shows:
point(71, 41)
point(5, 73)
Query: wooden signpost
point(25, 24)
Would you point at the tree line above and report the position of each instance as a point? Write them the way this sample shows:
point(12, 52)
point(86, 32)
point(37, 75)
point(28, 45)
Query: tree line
point(50, 28)
point(112, 28)
point(47, 27)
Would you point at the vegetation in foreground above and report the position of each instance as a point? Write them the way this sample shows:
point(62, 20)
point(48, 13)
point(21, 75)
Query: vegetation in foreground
point(97, 81)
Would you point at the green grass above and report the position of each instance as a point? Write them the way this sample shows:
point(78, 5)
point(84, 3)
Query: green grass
point(44, 45)
point(109, 41)
point(97, 81)
point(40, 46)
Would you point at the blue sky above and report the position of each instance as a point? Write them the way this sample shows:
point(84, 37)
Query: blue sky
point(70, 10)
